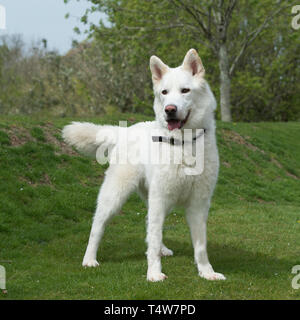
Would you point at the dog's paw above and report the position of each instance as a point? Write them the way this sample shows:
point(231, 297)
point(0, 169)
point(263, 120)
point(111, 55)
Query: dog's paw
point(90, 263)
point(154, 277)
point(212, 276)
point(165, 252)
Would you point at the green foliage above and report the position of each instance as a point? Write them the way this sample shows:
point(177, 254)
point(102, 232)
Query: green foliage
point(110, 71)
point(264, 85)
point(48, 198)
point(41, 81)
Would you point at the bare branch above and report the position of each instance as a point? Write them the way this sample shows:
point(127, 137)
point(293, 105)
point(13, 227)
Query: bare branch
point(253, 35)
point(216, 21)
point(228, 12)
point(200, 22)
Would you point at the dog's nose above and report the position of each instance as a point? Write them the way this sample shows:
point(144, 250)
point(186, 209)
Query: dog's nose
point(170, 109)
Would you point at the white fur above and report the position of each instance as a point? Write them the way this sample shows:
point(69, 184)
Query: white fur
point(162, 186)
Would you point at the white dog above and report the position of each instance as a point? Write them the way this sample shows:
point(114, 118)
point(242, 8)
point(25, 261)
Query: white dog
point(183, 100)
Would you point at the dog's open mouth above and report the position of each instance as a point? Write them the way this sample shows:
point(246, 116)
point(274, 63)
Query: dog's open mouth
point(177, 123)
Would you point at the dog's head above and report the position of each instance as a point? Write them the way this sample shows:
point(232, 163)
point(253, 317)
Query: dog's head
point(182, 95)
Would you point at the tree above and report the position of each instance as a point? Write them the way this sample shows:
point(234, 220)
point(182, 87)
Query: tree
point(224, 31)
point(213, 23)
point(224, 34)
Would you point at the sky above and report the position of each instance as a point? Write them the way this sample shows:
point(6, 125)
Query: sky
point(38, 19)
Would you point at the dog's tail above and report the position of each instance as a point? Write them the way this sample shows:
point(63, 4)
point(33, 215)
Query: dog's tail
point(88, 137)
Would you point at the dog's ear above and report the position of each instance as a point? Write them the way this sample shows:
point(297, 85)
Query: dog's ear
point(193, 63)
point(158, 68)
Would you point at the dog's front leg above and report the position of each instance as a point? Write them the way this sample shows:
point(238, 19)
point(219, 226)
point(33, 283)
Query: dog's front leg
point(196, 218)
point(156, 217)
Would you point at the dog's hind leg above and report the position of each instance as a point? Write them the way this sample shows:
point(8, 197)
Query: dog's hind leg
point(119, 182)
point(196, 217)
point(164, 251)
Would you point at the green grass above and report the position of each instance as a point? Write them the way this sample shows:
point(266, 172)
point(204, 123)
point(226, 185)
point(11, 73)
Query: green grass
point(47, 199)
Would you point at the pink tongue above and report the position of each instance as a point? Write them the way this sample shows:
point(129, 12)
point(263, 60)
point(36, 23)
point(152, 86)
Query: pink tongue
point(174, 124)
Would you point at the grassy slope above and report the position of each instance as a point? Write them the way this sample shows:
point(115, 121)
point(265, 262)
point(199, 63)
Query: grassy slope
point(48, 194)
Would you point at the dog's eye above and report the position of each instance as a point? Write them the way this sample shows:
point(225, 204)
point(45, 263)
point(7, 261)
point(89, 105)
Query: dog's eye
point(164, 92)
point(185, 90)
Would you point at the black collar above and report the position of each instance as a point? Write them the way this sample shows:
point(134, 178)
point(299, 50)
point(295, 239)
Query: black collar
point(174, 141)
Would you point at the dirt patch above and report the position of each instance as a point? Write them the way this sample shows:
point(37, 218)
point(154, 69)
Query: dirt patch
point(45, 180)
point(277, 163)
point(18, 136)
point(280, 166)
point(291, 175)
point(50, 131)
point(265, 202)
point(237, 138)
point(226, 164)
